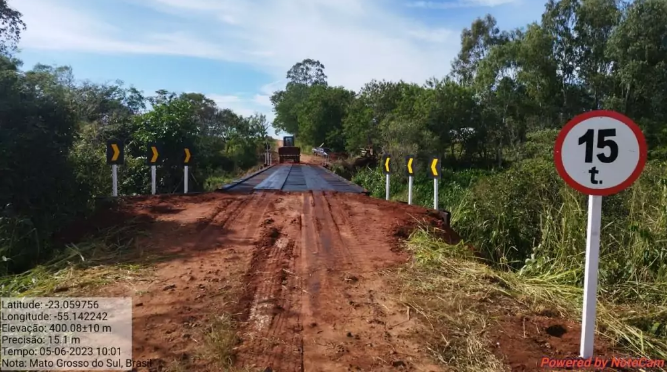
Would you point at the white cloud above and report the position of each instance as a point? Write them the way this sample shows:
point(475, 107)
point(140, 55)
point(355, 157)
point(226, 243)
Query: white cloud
point(269, 89)
point(433, 35)
point(451, 4)
point(357, 40)
point(245, 107)
point(52, 26)
point(242, 105)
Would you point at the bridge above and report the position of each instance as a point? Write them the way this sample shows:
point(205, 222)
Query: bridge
point(292, 178)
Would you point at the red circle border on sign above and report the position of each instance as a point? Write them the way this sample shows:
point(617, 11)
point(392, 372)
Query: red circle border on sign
point(643, 150)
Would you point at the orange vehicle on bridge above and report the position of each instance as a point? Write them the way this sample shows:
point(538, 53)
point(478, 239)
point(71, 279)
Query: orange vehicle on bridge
point(288, 151)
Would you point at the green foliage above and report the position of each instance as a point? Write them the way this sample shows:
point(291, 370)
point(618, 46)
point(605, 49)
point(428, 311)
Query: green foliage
point(53, 132)
point(527, 219)
point(11, 26)
point(321, 116)
point(39, 190)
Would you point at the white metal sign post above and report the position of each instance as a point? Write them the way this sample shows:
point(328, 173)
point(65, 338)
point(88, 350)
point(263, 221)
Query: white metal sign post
point(435, 173)
point(114, 180)
point(153, 178)
point(410, 160)
point(598, 153)
point(185, 182)
point(386, 168)
point(386, 187)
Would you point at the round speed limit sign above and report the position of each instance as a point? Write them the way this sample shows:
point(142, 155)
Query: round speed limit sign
point(600, 152)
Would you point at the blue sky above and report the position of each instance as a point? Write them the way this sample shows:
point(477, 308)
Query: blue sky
point(237, 52)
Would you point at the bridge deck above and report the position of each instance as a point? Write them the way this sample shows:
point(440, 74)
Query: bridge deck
point(294, 178)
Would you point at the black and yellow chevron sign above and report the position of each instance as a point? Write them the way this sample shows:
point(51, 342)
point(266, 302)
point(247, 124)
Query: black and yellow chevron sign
point(386, 164)
point(410, 165)
point(153, 155)
point(187, 155)
point(434, 167)
point(115, 152)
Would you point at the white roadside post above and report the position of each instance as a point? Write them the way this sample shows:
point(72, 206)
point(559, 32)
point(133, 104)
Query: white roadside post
point(591, 275)
point(409, 160)
point(386, 168)
point(115, 156)
point(185, 178)
point(435, 173)
point(153, 179)
point(387, 187)
point(114, 180)
point(598, 153)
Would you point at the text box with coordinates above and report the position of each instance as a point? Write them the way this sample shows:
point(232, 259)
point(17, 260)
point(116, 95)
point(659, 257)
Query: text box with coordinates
point(49, 333)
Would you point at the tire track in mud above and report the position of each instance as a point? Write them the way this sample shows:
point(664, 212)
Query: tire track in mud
point(314, 300)
point(351, 231)
point(196, 286)
point(272, 338)
point(356, 324)
point(211, 228)
point(330, 268)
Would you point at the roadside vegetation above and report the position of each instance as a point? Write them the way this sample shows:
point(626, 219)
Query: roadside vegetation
point(494, 120)
point(53, 133)
point(464, 301)
point(110, 255)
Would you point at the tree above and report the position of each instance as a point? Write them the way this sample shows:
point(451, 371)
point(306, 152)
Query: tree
point(596, 20)
point(11, 26)
point(448, 110)
point(321, 116)
point(375, 102)
point(307, 72)
point(286, 107)
point(39, 192)
point(475, 45)
point(286, 103)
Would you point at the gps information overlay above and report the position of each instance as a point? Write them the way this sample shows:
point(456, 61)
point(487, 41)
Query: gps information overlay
point(66, 334)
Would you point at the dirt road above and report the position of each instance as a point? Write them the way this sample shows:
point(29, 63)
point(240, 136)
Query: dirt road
point(299, 274)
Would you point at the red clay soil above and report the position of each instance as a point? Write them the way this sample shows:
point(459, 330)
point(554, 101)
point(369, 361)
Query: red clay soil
point(524, 341)
point(300, 273)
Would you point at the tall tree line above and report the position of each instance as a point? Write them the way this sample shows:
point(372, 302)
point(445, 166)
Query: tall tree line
point(582, 55)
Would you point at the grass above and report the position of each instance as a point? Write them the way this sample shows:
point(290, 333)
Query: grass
point(221, 341)
point(461, 298)
point(217, 352)
point(98, 260)
point(446, 287)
